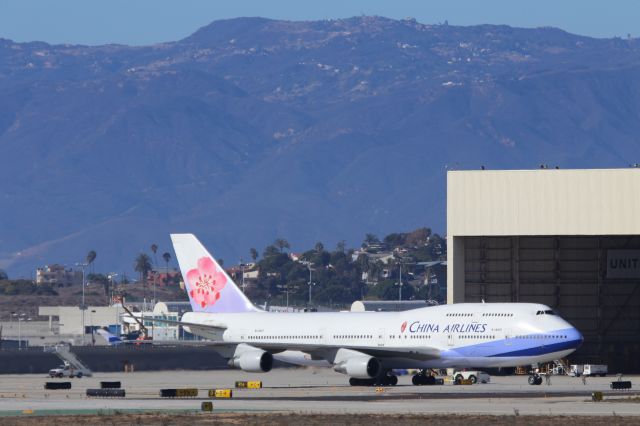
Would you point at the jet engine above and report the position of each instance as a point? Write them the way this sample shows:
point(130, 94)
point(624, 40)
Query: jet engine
point(362, 367)
point(255, 361)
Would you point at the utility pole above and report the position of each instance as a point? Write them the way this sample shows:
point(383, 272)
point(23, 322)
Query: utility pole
point(111, 276)
point(20, 319)
point(242, 268)
point(400, 284)
point(19, 334)
point(83, 307)
point(311, 283)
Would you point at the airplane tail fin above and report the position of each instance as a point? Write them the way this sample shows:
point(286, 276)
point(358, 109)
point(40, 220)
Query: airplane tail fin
point(209, 287)
point(110, 338)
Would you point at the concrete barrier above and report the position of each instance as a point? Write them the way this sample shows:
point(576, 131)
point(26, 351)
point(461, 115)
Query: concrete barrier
point(621, 384)
point(179, 393)
point(57, 385)
point(106, 393)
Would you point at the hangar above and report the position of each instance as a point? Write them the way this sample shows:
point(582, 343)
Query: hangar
point(567, 238)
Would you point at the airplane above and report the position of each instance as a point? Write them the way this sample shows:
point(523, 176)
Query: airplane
point(114, 340)
point(366, 346)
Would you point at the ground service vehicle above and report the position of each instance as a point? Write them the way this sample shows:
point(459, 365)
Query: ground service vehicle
point(578, 370)
point(473, 376)
point(66, 370)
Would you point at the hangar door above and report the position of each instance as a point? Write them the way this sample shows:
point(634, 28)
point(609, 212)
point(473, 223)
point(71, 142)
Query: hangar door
point(590, 280)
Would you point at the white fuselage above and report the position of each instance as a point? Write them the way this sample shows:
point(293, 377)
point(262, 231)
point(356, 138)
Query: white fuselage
point(463, 335)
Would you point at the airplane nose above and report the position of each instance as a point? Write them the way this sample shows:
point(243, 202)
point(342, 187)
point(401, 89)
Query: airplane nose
point(577, 337)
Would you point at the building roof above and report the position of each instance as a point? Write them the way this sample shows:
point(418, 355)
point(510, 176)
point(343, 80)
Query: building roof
point(543, 202)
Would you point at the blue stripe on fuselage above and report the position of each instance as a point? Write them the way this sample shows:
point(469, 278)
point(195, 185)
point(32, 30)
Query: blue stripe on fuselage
point(542, 349)
point(522, 346)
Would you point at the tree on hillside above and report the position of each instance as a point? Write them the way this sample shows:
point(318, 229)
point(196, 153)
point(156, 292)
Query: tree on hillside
point(254, 254)
point(319, 247)
point(143, 266)
point(375, 268)
point(419, 237)
point(363, 262)
point(388, 290)
point(341, 246)
point(282, 244)
point(167, 258)
point(395, 240)
point(3, 275)
point(370, 239)
point(91, 256)
point(154, 249)
point(270, 251)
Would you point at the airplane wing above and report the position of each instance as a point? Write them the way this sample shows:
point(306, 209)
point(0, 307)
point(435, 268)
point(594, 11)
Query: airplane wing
point(194, 328)
point(420, 354)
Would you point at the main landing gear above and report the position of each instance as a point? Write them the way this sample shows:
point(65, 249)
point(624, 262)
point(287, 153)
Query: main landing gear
point(386, 379)
point(423, 378)
point(535, 379)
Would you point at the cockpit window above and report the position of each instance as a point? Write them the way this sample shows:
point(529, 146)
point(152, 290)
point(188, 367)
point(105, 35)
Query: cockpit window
point(546, 312)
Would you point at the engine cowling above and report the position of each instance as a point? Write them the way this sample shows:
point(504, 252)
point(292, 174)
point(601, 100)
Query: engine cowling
point(253, 361)
point(364, 367)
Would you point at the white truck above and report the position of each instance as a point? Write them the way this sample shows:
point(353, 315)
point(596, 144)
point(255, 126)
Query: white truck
point(66, 370)
point(473, 376)
point(578, 370)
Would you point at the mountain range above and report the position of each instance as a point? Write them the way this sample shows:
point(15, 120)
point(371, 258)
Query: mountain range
point(252, 129)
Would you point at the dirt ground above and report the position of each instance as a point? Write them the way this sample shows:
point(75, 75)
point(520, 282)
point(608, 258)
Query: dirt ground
point(315, 419)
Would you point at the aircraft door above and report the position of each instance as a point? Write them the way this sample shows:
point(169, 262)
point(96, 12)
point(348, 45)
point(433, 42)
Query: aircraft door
point(451, 339)
point(381, 335)
point(508, 337)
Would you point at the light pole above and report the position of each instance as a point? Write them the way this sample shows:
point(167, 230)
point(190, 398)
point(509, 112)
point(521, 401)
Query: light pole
point(154, 288)
point(242, 268)
point(310, 283)
point(93, 337)
point(83, 307)
point(20, 319)
point(287, 298)
point(400, 284)
point(111, 276)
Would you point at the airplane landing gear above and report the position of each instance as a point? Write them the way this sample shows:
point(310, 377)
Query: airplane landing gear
point(422, 378)
point(387, 380)
point(535, 379)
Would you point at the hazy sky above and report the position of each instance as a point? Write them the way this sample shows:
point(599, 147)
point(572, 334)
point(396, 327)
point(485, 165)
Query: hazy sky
point(150, 21)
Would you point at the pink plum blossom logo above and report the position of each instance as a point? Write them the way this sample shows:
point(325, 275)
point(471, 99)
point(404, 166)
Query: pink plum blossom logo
point(403, 327)
point(205, 282)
